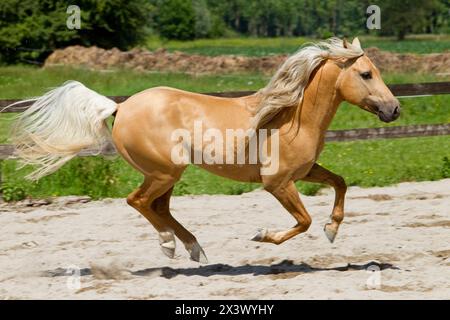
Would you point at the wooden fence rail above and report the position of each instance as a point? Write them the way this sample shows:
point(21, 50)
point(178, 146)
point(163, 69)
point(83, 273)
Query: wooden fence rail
point(399, 90)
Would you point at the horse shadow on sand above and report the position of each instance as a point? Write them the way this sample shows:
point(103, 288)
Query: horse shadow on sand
point(286, 267)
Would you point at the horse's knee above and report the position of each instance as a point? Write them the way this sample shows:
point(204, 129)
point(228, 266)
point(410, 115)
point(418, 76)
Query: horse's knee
point(272, 188)
point(305, 223)
point(131, 200)
point(134, 201)
point(339, 184)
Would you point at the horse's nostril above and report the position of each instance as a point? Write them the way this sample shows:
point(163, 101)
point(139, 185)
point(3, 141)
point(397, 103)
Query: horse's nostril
point(396, 110)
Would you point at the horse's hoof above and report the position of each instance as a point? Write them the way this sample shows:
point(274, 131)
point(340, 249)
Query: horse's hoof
point(260, 235)
point(197, 253)
point(167, 243)
point(330, 232)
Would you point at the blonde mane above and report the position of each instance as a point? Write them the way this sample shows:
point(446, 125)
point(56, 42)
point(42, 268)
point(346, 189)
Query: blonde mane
point(286, 87)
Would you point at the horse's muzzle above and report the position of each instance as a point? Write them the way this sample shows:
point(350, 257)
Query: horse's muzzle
point(389, 114)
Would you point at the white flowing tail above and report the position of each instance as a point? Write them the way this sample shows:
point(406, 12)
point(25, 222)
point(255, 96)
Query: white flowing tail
point(59, 125)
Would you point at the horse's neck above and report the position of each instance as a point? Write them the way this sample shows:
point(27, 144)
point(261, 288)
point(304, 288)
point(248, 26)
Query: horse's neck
point(320, 100)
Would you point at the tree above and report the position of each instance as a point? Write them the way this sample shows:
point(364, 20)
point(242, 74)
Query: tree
point(175, 19)
point(114, 23)
point(31, 30)
point(203, 19)
point(402, 17)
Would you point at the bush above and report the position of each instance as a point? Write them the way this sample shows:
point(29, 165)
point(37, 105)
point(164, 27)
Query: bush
point(12, 192)
point(175, 19)
point(186, 20)
point(203, 19)
point(31, 30)
point(219, 29)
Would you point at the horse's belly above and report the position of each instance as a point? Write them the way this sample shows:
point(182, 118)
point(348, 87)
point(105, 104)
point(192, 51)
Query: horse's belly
point(238, 172)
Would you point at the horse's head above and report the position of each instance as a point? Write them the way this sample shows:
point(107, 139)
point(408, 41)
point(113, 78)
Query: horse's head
point(360, 84)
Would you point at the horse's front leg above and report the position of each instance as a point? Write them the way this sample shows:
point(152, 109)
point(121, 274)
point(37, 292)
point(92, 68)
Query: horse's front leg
point(288, 196)
point(319, 174)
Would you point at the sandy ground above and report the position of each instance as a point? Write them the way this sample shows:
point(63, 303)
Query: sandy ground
point(401, 233)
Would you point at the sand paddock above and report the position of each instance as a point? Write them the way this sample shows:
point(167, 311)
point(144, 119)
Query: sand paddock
point(401, 233)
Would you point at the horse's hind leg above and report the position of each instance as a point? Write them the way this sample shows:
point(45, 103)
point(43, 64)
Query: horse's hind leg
point(161, 206)
point(141, 200)
point(151, 199)
point(319, 174)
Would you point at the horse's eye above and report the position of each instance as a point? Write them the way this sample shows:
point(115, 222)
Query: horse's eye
point(366, 75)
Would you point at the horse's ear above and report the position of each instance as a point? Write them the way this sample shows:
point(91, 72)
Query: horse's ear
point(345, 43)
point(356, 43)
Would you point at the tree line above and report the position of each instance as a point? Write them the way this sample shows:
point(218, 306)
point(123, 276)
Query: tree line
point(332, 17)
point(30, 29)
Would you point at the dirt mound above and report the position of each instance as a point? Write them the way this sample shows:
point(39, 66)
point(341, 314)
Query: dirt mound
point(407, 62)
point(162, 60)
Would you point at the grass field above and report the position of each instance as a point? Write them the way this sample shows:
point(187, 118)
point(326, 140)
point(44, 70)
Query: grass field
point(269, 46)
point(367, 163)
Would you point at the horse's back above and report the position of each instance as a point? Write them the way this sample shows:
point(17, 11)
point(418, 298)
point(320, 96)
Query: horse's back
point(167, 96)
point(179, 108)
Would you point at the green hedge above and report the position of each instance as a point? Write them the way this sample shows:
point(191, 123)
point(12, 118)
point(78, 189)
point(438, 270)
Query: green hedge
point(31, 30)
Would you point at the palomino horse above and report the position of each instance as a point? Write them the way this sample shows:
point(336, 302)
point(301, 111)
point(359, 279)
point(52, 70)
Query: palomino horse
point(300, 101)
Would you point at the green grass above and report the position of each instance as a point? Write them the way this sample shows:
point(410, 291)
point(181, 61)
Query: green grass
point(269, 46)
point(26, 81)
point(364, 163)
point(384, 162)
point(236, 46)
point(413, 44)
point(420, 110)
